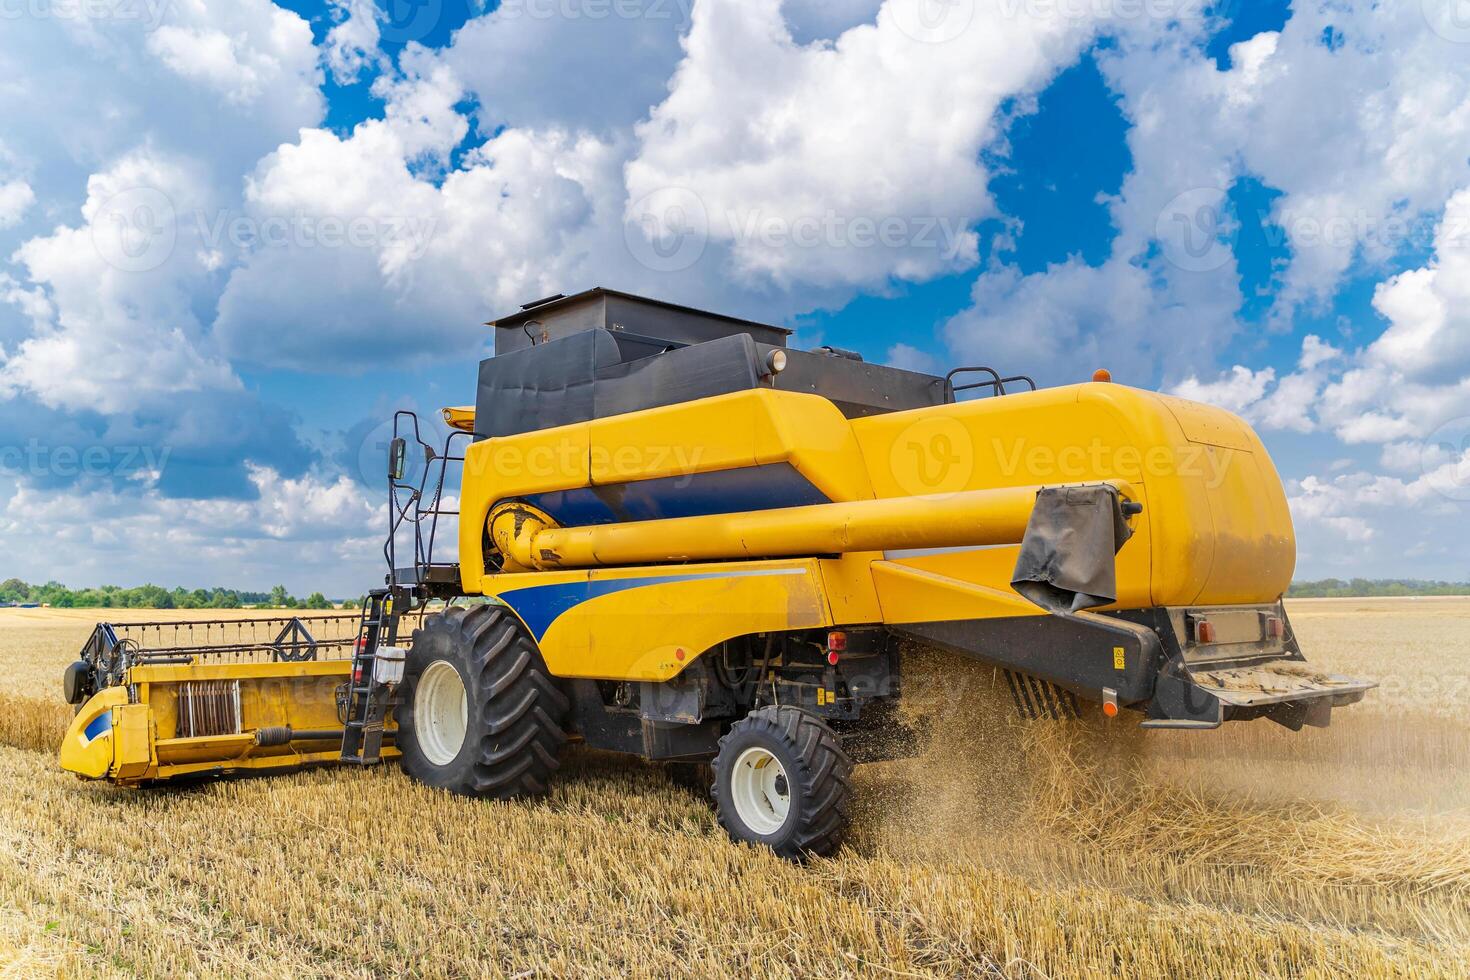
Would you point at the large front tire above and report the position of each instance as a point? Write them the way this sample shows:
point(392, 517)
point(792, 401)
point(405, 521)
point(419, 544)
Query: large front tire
point(479, 714)
point(782, 780)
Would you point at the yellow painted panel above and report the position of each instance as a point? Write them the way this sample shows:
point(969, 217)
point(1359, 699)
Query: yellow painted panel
point(636, 631)
point(1214, 528)
point(916, 595)
point(514, 466)
point(851, 594)
point(91, 757)
point(132, 742)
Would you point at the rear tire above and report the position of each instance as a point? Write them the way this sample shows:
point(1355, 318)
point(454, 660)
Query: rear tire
point(782, 780)
point(479, 714)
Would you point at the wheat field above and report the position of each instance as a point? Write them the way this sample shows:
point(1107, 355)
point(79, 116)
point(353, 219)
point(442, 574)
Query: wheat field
point(1006, 849)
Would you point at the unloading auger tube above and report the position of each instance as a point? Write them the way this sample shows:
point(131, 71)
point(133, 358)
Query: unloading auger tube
point(974, 518)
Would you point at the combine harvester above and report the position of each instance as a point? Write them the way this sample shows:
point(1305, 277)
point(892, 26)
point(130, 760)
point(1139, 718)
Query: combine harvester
point(680, 539)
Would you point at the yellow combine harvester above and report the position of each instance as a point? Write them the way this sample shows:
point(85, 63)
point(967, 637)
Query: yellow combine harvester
point(679, 538)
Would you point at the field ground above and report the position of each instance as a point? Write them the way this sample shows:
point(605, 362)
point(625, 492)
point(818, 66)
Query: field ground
point(1005, 849)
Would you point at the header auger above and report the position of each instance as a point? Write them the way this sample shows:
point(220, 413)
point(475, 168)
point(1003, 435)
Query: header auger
point(678, 538)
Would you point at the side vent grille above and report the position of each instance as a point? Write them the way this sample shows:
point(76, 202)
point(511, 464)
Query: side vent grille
point(1036, 698)
point(209, 708)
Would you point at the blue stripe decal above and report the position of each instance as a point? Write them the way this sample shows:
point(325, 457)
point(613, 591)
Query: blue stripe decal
point(97, 727)
point(541, 605)
point(764, 487)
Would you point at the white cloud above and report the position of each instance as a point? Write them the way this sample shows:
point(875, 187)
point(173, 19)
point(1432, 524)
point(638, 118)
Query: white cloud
point(316, 532)
point(351, 45)
point(77, 92)
point(16, 198)
point(855, 162)
point(1289, 403)
point(1236, 391)
point(516, 220)
point(116, 328)
point(569, 64)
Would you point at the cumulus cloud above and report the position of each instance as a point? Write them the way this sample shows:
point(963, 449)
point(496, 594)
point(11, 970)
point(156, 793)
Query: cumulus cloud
point(351, 46)
point(548, 63)
point(118, 329)
point(16, 197)
point(510, 223)
point(313, 532)
point(855, 162)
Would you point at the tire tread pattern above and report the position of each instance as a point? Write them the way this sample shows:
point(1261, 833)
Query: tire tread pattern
point(823, 778)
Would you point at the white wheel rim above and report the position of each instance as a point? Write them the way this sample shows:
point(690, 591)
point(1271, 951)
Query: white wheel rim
point(755, 784)
point(441, 713)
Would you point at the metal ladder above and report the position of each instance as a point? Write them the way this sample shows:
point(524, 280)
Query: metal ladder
point(367, 701)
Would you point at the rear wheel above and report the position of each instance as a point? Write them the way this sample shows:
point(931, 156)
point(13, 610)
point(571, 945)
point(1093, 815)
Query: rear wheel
point(781, 779)
point(479, 714)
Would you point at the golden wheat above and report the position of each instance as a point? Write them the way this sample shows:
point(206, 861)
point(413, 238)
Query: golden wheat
point(1006, 849)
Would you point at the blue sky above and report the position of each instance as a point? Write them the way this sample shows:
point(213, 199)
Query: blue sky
point(234, 237)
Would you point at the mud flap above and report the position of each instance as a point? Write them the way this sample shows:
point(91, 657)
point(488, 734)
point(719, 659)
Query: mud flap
point(1067, 562)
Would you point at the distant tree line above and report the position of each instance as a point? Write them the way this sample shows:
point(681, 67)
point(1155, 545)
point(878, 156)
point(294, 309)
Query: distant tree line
point(15, 592)
point(1329, 588)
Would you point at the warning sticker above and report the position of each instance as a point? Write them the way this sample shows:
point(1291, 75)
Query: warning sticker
point(1119, 662)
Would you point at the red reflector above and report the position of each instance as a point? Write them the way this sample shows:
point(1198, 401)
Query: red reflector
point(1204, 631)
point(837, 640)
point(1110, 709)
point(833, 657)
point(679, 653)
point(1275, 628)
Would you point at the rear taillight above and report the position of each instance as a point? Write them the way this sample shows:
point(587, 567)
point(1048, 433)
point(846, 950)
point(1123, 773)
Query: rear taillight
point(1204, 631)
point(1275, 627)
